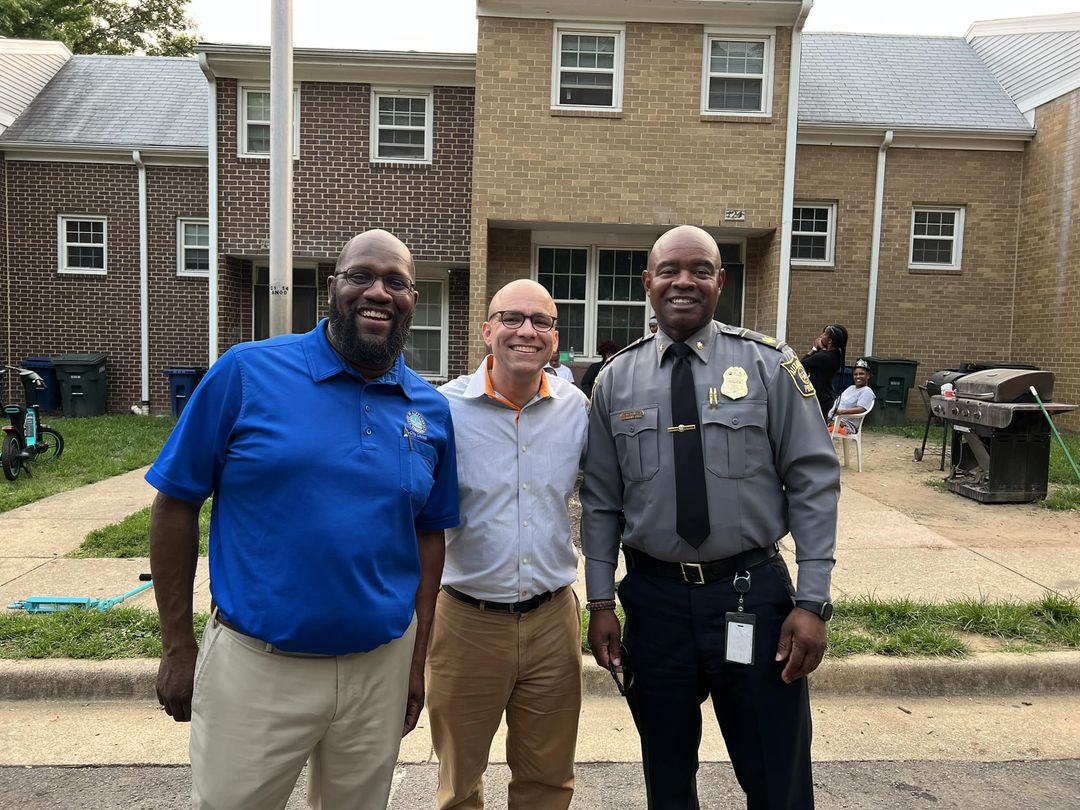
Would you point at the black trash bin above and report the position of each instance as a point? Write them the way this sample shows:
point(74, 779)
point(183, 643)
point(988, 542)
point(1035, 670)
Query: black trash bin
point(47, 398)
point(892, 379)
point(182, 382)
point(83, 384)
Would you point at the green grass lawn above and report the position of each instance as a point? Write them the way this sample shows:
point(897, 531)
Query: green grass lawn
point(95, 448)
point(894, 627)
point(131, 536)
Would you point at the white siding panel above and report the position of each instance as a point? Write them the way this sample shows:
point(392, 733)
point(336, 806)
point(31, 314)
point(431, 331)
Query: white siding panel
point(1027, 65)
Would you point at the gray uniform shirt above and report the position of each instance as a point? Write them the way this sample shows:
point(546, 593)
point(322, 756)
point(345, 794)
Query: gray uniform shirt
point(770, 467)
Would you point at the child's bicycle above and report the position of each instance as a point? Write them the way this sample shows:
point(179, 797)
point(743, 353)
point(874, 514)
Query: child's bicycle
point(26, 439)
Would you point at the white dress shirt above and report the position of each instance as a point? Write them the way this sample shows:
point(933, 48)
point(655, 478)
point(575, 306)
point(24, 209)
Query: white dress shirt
point(516, 472)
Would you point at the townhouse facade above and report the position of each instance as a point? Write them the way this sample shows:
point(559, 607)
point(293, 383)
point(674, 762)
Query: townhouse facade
point(842, 179)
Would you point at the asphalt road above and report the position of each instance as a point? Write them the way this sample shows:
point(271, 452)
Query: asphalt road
point(1045, 785)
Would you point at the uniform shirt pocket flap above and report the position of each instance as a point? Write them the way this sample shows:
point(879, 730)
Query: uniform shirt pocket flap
point(633, 422)
point(736, 415)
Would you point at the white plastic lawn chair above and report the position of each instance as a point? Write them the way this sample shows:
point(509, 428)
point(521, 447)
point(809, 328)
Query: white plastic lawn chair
point(857, 421)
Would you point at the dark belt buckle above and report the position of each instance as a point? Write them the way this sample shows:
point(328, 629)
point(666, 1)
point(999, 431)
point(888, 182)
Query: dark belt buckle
point(693, 567)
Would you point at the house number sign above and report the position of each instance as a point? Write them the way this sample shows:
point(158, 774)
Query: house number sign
point(734, 215)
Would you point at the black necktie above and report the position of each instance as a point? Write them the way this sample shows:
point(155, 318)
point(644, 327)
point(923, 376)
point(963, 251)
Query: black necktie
point(691, 499)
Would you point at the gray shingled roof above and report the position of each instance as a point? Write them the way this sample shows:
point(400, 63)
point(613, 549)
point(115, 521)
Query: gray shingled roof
point(135, 101)
point(901, 81)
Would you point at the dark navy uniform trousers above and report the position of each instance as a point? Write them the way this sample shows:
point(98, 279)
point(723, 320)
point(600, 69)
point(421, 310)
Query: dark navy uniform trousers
point(674, 653)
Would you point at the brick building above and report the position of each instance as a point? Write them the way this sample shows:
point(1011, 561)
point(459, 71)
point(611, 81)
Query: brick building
point(841, 177)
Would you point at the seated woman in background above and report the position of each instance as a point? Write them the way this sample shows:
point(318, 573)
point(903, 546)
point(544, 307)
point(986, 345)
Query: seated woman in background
point(606, 349)
point(824, 360)
point(856, 399)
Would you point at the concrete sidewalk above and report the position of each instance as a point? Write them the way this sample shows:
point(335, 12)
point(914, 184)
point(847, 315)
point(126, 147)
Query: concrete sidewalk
point(880, 551)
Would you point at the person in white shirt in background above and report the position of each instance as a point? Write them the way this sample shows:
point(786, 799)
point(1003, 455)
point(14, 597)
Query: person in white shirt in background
point(855, 399)
point(556, 367)
point(507, 629)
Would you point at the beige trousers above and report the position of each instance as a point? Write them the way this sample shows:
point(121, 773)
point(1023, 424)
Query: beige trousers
point(482, 663)
point(258, 716)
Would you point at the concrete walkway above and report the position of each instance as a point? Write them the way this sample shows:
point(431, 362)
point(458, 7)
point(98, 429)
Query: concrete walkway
point(880, 551)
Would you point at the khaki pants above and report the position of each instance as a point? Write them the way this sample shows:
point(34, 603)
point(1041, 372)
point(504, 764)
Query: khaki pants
point(482, 663)
point(258, 716)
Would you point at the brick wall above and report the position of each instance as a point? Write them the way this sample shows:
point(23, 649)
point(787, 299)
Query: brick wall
point(337, 191)
point(656, 163)
point(57, 313)
point(1048, 242)
point(939, 318)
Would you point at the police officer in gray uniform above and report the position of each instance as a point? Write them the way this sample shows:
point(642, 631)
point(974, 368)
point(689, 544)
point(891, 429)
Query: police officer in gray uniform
point(706, 447)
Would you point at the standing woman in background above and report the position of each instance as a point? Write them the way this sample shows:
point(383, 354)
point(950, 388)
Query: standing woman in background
point(825, 359)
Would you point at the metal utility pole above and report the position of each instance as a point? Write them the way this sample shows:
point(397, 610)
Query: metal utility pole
point(281, 166)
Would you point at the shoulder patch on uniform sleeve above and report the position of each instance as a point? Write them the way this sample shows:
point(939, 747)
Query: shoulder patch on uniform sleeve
point(798, 375)
point(757, 337)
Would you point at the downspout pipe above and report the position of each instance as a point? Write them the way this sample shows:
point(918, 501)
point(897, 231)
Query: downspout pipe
point(144, 288)
point(875, 242)
point(790, 143)
point(211, 208)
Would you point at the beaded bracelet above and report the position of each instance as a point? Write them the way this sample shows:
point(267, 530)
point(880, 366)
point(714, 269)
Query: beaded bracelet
point(600, 604)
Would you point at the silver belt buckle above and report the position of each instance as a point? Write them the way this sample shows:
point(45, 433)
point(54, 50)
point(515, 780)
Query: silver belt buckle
point(690, 567)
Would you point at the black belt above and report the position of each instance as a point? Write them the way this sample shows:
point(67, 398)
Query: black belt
point(503, 607)
point(267, 646)
point(698, 573)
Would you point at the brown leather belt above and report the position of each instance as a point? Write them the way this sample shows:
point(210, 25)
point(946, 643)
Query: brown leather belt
point(504, 607)
point(699, 573)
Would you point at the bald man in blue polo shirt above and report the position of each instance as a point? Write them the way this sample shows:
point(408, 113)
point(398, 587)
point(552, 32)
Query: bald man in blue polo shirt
point(333, 472)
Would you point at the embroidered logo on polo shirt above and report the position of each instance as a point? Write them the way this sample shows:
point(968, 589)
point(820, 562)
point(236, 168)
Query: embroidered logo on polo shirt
point(416, 422)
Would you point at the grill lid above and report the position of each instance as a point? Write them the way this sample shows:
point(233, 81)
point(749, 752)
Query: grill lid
point(1006, 385)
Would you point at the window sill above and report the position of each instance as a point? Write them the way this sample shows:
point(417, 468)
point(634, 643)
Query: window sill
point(81, 272)
point(813, 266)
point(733, 118)
point(568, 112)
point(261, 156)
point(190, 274)
point(926, 270)
point(419, 164)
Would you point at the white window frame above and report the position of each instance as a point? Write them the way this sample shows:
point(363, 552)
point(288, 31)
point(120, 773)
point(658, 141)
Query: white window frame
point(830, 234)
point(444, 327)
point(182, 248)
point(242, 122)
point(768, 39)
point(588, 29)
point(62, 244)
point(957, 238)
point(426, 93)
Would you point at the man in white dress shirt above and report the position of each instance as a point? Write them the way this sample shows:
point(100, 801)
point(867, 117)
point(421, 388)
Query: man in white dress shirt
point(507, 629)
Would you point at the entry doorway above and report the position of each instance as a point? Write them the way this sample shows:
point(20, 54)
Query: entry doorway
point(305, 290)
point(729, 309)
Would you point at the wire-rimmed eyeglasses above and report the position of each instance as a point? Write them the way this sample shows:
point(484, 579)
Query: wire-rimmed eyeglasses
point(393, 284)
point(512, 319)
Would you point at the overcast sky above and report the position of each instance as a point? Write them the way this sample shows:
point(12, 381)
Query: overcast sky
point(450, 25)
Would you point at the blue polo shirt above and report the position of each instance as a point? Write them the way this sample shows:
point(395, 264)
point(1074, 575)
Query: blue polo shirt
point(320, 481)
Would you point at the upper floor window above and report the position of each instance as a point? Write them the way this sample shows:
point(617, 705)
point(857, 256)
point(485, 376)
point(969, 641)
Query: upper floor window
point(813, 233)
point(82, 244)
point(737, 77)
point(587, 68)
point(254, 118)
point(937, 237)
point(192, 247)
point(401, 126)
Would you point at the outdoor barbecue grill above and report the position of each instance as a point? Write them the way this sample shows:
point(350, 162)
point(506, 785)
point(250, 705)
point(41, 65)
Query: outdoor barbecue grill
point(1000, 438)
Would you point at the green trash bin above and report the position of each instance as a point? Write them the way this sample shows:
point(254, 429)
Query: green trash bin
point(892, 379)
point(83, 383)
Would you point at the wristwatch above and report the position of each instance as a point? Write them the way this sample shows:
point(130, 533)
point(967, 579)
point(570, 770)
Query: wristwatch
point(822, 610)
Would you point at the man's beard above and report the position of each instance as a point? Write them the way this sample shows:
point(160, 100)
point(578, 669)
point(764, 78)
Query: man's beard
point(362, 351)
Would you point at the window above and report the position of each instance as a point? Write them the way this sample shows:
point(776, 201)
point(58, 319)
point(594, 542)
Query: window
point(401, 126)
point(254, 118)
point(737, 77)
point(937, 236)
point(82, 245)
point(427, 349)
point(587, 68)
point(192, 247)
point(813, 233)
point(598, 292)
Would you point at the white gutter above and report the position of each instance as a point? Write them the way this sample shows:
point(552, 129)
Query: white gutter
point(144, 288)
point(790, 143)
point(875, 243)
point(212, 210)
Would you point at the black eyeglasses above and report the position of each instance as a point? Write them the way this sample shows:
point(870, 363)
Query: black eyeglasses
point(395, 285)
point(513, 320)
